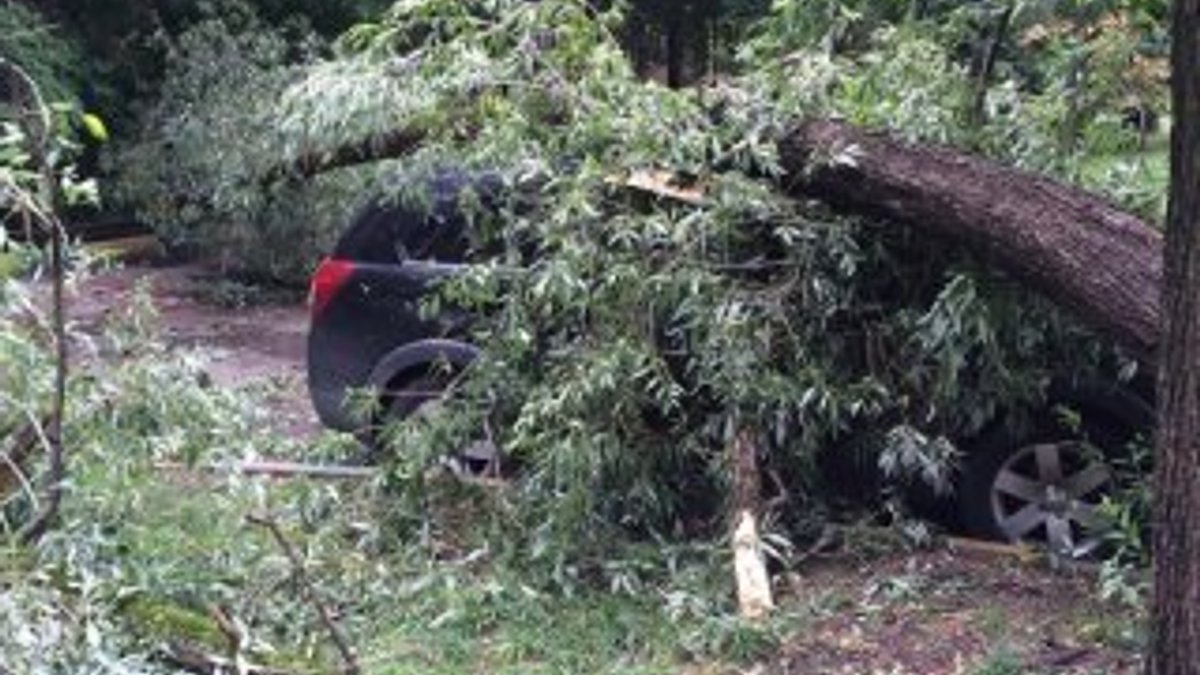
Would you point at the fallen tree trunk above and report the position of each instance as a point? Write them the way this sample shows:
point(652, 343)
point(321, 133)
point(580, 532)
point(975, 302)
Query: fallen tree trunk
point(1073, 246)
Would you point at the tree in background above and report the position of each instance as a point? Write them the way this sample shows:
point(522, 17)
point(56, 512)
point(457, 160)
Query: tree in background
point(1175, 649)
point(679, 41)
point(128, 43)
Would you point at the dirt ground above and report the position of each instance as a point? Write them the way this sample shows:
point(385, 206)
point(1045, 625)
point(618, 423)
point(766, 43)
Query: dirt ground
point(947, 612)
point(245, 336)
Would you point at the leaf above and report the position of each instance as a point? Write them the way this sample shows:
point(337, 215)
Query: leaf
point(95, 127)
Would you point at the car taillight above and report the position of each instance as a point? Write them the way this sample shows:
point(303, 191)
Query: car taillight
point(329, 278)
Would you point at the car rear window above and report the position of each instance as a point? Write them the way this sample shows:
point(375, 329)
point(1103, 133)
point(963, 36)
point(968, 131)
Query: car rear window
point(397, 229)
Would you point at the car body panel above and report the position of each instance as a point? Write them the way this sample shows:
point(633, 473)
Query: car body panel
point(373, 328)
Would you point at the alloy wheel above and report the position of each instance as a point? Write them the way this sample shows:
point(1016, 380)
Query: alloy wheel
point(1050, 492)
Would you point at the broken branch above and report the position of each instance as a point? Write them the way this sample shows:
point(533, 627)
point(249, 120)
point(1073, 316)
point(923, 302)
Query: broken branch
point(310, 592)
point(749, 563)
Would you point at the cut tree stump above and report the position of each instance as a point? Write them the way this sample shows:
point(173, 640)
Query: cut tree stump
point(749, 564)
point(1075, 247)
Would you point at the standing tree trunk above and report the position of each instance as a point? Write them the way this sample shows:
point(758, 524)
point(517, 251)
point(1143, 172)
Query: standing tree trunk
point(1175, 644)
point(983, 66)
point(687, 26)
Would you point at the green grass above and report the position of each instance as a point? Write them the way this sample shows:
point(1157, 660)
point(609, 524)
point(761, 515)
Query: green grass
point(1001, 662)
point(1137, 179)
point(493, 629)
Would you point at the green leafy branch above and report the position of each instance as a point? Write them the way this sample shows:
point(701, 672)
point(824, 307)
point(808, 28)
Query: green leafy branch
point(38, 209)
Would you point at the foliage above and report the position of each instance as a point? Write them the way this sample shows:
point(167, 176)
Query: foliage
point(19, 177)
point(127, 44)
point(627, 337)
point(620, 359)
point(1123, 577)
point(153, 538)
point(138, 548)
point(210, 122)
point(877, 64)
point(644, 332)
point(28, 39)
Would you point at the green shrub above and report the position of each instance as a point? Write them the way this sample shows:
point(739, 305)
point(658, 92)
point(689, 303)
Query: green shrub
point(30, 40)
point(193, 171)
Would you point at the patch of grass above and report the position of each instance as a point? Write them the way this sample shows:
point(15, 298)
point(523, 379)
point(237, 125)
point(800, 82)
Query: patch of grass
point(1137, 179)
point(1001, 662)
point(487, 625)
point(1123, 631)
point(994, 623)
point(486, 618)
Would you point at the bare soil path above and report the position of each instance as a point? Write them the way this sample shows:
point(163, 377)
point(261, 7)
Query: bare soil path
point(942, 612)
point(248, 337)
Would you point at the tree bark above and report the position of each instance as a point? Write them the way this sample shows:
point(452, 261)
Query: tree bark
point(1175, 635)
point(1100, 263)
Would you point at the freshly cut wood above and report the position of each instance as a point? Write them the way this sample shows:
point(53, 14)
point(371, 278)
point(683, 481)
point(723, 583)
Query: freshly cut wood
point(750, 569)
point(1021, 552)
point(1076, 248)
point(749, 565)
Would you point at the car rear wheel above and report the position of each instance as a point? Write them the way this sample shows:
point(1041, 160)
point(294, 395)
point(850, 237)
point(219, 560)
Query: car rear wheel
point(1043, 487)
point(423, 395)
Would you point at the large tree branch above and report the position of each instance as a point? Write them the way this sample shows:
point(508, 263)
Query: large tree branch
point(1078, 249)
point(395, 143)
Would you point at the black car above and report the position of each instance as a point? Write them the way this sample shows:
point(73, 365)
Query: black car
point(1042, 479)
point(367, 330)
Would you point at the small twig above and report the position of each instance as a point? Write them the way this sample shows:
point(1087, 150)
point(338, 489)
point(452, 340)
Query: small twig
point(310, 593)
point(193, 660)
point(14, 458)
point(781, 492)
point(828, 540)
point(229, 628)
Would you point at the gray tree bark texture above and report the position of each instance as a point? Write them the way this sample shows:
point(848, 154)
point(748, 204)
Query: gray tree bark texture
point(1079, 250)
point(1175, 634)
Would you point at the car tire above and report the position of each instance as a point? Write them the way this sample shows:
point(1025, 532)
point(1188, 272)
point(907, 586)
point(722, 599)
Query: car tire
point(1044, 484)
point(409, 397)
